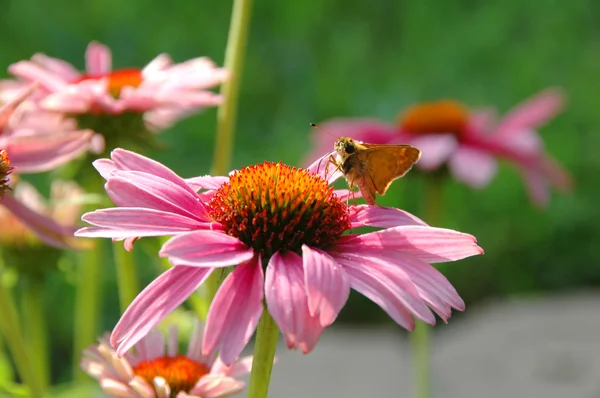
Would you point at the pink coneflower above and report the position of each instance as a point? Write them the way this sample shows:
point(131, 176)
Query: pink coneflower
point(64, 207)
point(25, 151)
point(285, 232)
point(157, 370)
point(468, 142)
point(122, 103)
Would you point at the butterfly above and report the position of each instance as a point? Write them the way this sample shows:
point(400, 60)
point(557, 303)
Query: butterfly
point(372, 167)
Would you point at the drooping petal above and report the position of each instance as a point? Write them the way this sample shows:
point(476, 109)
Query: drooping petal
point(387, 286)
point(206, 249)
point(287, 302)
point(537, 187)
point(429, 244)
point(531, 113)
point(326, 284)
point(435, 149)
point(215, 386)
point(473, 166)
point(234, 312)
point(431, 285)
point(155, 302)
point(380, 216)
point(48, 230)
point(43, 152)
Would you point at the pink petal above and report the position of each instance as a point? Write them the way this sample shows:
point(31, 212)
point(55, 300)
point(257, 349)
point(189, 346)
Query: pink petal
point(48, 230)
point(32, 72)
point(382, 217)
point(43, 152)
point(532, 113)
point(98, 59)
point(387, 286)
point(234, 312)
point(431, 285)
point(435, 149)
point(127, 160)
point(206, 249)
point(8, 108)
point(287, 302)
point(241, 367)
point(325, 169)
point(345, 195)
point(206, 182)
point(155, 302)
point(132, 189)
point(216, 386)
point(473, 166)
point(429, 244)
point(127, 222)
point(326, 284)
point(537, 186)
point(57, 66)
point(481, 121)
point(105, 167)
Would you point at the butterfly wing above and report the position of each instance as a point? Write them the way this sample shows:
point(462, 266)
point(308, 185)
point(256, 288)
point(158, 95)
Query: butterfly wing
point(385, 163)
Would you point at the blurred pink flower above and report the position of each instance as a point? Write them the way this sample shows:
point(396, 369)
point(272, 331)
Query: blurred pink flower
point(162, 92)
point(29, 151)
point(156, 369)
point(283, 229)
point(468, 142)
point(38, 141)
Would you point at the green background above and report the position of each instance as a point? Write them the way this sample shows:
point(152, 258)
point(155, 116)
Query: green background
point(310, 61)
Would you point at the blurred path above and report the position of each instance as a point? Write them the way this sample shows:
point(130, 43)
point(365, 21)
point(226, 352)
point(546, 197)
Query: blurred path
point(544, 347)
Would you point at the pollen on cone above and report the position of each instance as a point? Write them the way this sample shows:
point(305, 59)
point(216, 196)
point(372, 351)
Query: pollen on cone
point(5, 170)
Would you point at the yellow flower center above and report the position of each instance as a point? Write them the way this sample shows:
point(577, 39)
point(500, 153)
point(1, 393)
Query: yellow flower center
point(180, 372)
point(435, 117)
point(272, 207)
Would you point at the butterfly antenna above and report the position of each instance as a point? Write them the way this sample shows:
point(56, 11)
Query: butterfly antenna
point(316, 126)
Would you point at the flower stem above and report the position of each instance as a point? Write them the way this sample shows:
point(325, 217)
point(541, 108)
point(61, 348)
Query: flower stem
point(13, 335)
point(87, 303)
point(35, 328)
point(264, 354)
point(227, 112)
point(420, 336)
point(234, 60)
point(127, 280)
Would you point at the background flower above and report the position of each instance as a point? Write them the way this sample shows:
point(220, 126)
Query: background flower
point(468, 142)
point(156, 369)
point(122, 103)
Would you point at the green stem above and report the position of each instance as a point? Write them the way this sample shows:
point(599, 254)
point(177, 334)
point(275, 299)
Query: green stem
point(227, 113)
point(234, 60)
point(35, 328)
point(127, 280)
point(11, 329)
point(87, 303)
point(264, 354)
point(420, 336)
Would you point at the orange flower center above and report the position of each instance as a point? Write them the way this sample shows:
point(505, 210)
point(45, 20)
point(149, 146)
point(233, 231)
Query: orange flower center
point(435, 117)
point(180, 372)
point(272, 207)
point(5, 170)
point(118, 79)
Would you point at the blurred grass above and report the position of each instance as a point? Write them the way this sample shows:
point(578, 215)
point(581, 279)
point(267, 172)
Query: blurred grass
point(309, 61)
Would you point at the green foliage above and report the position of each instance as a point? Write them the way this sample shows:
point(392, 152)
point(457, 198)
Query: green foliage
point(310, 61)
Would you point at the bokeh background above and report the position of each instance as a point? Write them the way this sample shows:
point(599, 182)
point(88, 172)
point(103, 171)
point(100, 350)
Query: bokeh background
point(310, 61)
